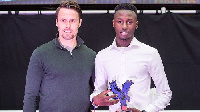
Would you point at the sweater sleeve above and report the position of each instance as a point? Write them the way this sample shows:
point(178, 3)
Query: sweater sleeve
point(100, 83)
point(33, 81)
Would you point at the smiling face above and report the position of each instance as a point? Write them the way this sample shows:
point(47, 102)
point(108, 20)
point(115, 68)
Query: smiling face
point(125, 22)
point(68, 22)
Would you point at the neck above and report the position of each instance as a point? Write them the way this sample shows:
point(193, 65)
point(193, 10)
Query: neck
point(123, 42)
point(70, 43)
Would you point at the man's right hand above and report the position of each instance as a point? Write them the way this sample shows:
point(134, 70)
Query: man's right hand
point(103, 100)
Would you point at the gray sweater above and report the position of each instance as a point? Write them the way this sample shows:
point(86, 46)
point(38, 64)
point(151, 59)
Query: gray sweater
point(60, 79)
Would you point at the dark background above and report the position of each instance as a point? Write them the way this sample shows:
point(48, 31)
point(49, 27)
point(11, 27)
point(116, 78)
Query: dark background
point(177, 38)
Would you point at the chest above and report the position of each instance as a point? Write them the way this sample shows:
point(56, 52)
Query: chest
point(128, 65)
point(64, 64)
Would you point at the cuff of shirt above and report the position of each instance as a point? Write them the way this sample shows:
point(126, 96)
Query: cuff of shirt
point(91, 99)
point(150, 108)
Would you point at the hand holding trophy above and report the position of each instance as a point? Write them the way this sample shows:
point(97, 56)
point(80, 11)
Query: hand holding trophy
point(122, 94)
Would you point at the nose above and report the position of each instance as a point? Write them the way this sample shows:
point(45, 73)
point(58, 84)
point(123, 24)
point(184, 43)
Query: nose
point(68, 24)
point(124, 25)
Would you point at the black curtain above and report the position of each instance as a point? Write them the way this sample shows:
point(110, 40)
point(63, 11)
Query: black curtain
point(177, 38)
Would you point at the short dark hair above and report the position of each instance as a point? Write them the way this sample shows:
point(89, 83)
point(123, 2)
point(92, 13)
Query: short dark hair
point(69, 5)
point(126, 6)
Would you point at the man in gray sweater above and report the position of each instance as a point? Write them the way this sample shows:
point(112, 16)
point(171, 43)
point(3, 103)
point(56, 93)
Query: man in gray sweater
point(60, 72)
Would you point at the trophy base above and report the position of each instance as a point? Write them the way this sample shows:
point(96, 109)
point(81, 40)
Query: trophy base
point(124, 108)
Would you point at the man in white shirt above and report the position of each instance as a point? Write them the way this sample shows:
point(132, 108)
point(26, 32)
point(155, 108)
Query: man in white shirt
point(127, 59)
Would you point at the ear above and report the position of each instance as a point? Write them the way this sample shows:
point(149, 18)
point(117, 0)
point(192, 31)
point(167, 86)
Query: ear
point(113, 22)
point(80, 22)
point(136, 25)
point(57, 22)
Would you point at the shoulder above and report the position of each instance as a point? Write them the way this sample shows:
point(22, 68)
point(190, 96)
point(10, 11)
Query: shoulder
point(105, 51)
point(88, 50)
point(146, 48)
point(44, 48)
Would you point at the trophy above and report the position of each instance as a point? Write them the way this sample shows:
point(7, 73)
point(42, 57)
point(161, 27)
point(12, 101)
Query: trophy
point(122, 94)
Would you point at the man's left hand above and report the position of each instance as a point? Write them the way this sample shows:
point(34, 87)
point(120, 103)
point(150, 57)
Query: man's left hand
point(131, 110)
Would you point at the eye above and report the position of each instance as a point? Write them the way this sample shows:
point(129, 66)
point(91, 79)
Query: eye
point(119, 22)
point(72, 20)
point(63, 20)
point(129, 22)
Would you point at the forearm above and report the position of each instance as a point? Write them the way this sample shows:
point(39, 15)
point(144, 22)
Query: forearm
point(33, 82)
point(29, 104)
point(31, 95)
point(161, 102)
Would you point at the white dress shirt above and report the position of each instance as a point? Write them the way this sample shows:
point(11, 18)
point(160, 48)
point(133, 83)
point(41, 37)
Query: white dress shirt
point(137, 62)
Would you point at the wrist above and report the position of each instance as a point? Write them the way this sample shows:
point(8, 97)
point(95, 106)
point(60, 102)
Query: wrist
point(93, 103)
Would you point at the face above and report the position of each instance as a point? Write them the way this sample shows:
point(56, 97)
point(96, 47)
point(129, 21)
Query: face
point(68, 23)
point(125, 22)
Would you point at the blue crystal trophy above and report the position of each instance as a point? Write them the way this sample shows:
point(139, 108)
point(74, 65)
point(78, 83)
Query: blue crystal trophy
point(122, 94)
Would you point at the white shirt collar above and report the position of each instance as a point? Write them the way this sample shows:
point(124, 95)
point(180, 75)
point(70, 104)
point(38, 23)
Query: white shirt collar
point(134, 42)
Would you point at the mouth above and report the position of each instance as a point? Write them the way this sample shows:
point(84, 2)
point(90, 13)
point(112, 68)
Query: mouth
point(67, 31)
point(124, 33)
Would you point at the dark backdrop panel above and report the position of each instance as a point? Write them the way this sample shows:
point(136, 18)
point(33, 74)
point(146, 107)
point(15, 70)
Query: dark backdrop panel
point(19, 36)
point(176, 37)
point(97, 30)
